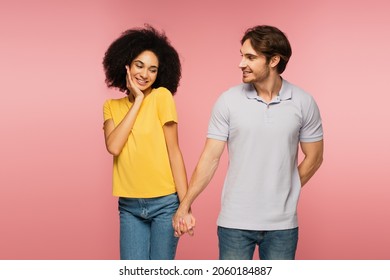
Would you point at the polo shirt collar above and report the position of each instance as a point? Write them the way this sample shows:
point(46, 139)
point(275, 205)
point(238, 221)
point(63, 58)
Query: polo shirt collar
point(285, 92)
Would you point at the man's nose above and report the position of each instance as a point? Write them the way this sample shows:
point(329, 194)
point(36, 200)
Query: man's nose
point(242, 63)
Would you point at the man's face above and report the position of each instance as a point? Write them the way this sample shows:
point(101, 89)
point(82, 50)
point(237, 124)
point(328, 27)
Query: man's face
point(254, 66)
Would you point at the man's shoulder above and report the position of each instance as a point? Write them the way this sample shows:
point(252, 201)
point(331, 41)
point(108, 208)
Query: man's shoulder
point(238, 88)
point(232, 96)
point(235, 91)
point(297, 93)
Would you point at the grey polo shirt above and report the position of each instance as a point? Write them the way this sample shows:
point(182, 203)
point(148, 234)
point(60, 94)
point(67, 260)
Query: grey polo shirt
point(262, 184)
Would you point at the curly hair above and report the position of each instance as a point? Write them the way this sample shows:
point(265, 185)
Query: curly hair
point(133, 42)
point(269, 41)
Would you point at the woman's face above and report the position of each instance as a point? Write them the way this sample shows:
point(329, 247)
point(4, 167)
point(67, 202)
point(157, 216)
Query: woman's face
point(143, 70)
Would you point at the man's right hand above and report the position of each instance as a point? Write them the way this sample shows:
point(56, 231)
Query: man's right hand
point(183, 222)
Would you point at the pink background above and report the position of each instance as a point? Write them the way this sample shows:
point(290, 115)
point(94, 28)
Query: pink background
point(55, 182)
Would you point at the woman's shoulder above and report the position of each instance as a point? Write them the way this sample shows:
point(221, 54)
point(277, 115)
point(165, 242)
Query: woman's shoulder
point(162, 91)
point(116, 101)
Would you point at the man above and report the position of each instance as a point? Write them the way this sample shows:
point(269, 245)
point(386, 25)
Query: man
point(263, 121)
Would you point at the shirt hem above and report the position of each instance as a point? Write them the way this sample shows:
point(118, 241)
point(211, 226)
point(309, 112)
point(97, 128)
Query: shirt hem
point(143, 196)
point(257, 227)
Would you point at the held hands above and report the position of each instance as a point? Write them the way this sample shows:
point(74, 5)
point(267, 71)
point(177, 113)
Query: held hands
point(183, 223)
point(134, 90)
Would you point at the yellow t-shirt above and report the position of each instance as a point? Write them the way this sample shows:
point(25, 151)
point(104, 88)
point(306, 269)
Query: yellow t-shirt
point(142, 169)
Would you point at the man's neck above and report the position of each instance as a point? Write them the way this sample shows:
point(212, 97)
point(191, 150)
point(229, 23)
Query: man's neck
point(269, 88)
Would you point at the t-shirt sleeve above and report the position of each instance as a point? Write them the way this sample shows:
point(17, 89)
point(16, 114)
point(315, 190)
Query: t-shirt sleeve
point(107, 110)
point(311, 130)
point(166, 107)
point(219, 121)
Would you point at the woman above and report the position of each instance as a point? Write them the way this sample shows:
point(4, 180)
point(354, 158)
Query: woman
point(140, 131)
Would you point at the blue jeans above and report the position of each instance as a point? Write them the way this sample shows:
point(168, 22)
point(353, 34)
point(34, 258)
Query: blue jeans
point(237, 244)
point(146, 231)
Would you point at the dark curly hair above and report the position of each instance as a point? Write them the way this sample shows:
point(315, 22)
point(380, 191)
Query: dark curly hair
point(133, 42)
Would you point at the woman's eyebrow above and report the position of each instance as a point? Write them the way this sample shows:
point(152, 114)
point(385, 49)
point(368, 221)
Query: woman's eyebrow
point(139, 61)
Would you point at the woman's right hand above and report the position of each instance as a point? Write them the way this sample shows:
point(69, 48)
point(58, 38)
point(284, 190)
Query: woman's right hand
point(183, 222)
point(134, 90)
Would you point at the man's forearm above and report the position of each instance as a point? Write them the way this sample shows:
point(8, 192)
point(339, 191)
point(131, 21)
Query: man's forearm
point(204, 171)
point(308, 168)
point(202, 176)
point(313, 152)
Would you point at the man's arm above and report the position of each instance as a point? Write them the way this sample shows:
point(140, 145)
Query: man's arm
point(313, 152)
point(201, 177)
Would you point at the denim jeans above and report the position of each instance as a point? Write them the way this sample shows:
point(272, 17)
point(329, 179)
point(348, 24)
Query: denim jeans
point(146, 231)
point(236, 244)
